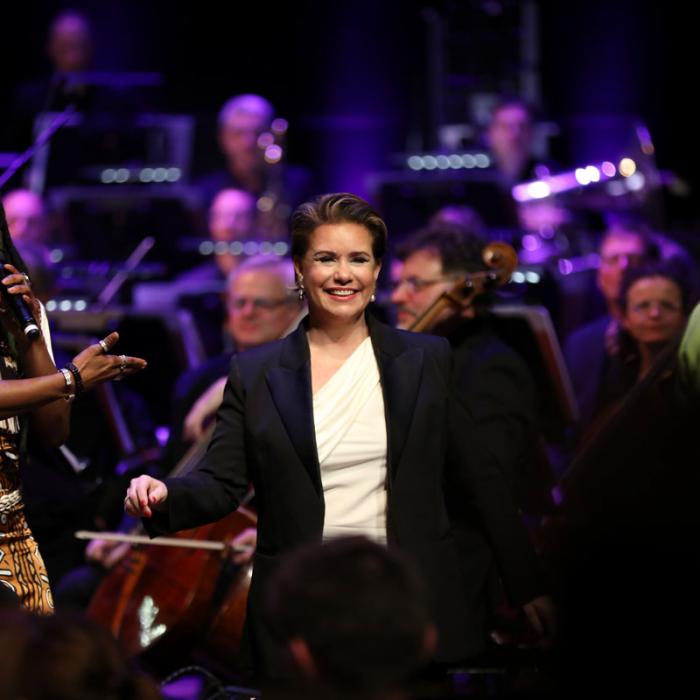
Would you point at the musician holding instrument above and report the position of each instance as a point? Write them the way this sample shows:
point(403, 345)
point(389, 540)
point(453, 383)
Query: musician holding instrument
point(32, 388)
point(348, 426)
point(489, 377)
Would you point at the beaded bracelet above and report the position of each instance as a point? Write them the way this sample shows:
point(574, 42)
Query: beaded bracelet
point(79, 386)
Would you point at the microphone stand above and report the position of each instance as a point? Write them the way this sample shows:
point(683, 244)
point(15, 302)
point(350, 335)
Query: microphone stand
point(61, 119)
point(115, 284)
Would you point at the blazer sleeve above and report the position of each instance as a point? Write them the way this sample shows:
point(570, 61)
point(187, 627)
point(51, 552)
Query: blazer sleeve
point(219, 482)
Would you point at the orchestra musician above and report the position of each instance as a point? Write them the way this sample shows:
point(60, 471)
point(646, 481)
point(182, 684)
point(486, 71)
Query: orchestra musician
point(490, 378)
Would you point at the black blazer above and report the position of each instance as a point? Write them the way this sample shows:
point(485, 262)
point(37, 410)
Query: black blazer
point(265, 433)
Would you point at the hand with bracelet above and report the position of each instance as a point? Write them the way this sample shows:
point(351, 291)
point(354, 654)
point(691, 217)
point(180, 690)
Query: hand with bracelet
point(31, 386)
point(95, 365)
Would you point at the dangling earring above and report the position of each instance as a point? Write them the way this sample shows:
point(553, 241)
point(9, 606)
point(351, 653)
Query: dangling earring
point(373, 297)
point(300, 284)
point(301, 294)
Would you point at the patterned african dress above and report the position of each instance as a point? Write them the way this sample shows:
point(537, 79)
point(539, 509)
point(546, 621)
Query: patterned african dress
point(21, 566)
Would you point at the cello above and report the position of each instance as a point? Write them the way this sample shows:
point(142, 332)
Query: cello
point(500, 258)
point(162, 602)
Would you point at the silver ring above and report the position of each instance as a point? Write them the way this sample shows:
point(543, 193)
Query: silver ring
point(104, 346)
point(26, 279)
point(122, 360)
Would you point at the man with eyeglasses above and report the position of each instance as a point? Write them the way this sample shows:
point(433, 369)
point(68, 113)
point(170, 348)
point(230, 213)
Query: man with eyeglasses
point(260, 307)
point(489, 377)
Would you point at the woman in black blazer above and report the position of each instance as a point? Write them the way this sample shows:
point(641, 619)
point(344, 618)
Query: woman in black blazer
point(412, 439)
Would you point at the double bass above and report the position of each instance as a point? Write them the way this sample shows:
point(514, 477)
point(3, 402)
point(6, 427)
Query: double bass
point(174, 597)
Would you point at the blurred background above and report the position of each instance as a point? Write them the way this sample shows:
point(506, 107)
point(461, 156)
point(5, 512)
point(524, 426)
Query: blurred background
point(391, 100)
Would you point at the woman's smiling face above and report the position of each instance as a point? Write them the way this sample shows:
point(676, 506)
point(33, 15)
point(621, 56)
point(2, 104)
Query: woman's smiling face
point(339, 271)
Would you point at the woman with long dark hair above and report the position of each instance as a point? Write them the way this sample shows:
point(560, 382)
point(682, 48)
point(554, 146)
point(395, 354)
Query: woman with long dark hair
point(36, 396)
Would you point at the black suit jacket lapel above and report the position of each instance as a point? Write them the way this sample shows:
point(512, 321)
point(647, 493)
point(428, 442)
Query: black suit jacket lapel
point(400, 370)
point(290, 387)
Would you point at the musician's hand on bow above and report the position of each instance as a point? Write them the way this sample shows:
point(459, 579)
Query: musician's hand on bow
point(106, 552)
point(144, 495)
point(243, 545)
point(541, 614)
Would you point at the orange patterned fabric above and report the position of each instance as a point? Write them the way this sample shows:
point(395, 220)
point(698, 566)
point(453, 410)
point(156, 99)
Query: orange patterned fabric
point(21, 566)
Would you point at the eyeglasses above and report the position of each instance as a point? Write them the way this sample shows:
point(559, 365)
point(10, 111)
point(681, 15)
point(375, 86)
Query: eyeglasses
point(414, 284)
point(617, 259)
point(258, 303)
point(644, 308)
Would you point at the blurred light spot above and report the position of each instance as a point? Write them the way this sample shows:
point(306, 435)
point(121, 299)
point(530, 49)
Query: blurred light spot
point(443, 162)
point(608, 169)
point(280, 248)
point(565, 267)
point(265, 203)
point(627, 167)
point(538, 190)
point(635, 182)
point(530, 242)
point(273, 154)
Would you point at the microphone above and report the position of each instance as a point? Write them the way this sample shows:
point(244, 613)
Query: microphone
point(19, 308)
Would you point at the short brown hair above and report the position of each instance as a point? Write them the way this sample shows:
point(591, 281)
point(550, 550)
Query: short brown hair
point(335, 209)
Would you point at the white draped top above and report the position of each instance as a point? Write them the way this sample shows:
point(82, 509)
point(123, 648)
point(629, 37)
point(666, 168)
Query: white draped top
point(351, 443)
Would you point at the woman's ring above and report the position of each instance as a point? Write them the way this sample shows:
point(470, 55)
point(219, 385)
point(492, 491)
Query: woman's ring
point(104, 346)
point(122, 360)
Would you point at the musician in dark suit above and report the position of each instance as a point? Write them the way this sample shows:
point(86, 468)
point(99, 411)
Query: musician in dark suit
point(489, 377)
point(347, 426)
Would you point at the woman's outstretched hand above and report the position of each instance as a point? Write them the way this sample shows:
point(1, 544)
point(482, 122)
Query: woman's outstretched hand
point(97, 365)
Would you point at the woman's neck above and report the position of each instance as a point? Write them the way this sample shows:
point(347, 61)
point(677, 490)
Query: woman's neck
point(340, 335)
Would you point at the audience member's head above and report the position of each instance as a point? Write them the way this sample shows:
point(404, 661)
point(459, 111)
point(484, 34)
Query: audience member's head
point(26, 217)
point(625, 243)
point(510, 136)
point(352, 617)
point(242, 120)
point(66, 657)
point(432, 260)
point(69, 44)
point(260, 301)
